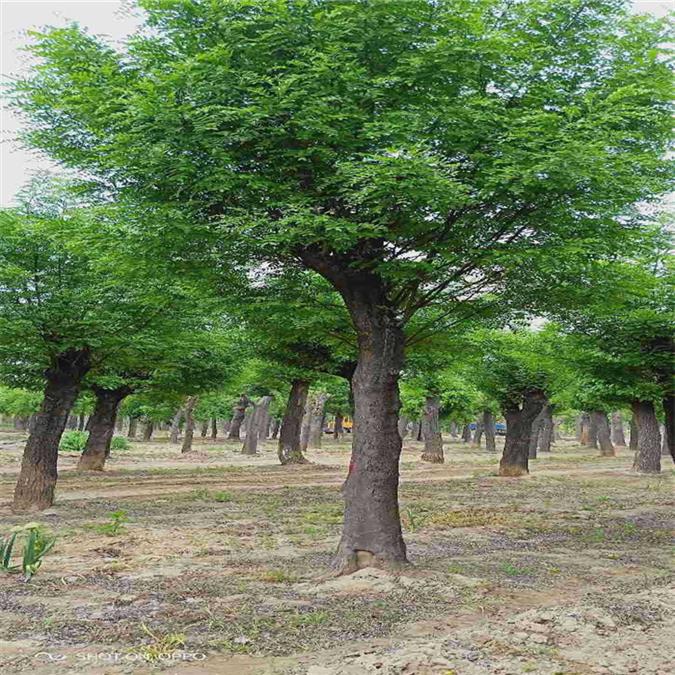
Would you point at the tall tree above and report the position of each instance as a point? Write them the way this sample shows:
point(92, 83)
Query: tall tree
point(410, 153)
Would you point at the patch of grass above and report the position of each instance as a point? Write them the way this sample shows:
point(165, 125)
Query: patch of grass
point(116, 525)
point(162, 646)
point(277, 577)
point(513, 570)
point(468, 518)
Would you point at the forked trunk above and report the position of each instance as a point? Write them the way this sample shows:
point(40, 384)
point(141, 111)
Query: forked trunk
point(603, 433)
point(431, 432)
point(37, 479)
point(188, 411)
point(238, 414)
point(519, 421)
point(618, 437)
point(648, 455)
point(490, 431)
point(101, 427)
point(289, 437)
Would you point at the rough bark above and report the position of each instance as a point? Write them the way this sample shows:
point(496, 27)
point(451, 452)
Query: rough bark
point(519, 421)
point(316, 418)
point(37, 479)
point(148, 428)
point(648, 455)
point(255, 420)
point(478, 433)
point(490, 432)
point(238, 414)
point(431, 432)
point(633, 442)
point(535, 432)
point(546, 430)
point(290, 451)
point(603, 433)
point(188, 411)
point(618, 437)
point(174, 432)
point(592, 436)
point(101, 427)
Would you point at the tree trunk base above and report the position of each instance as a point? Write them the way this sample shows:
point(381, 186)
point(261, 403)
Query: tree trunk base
point(358, 560)
point(34, 495)
point(432, 458)
point(289, 460)
point(511, 471)
point(91, 462)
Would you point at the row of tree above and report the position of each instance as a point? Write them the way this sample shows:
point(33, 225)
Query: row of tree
point(359, 190)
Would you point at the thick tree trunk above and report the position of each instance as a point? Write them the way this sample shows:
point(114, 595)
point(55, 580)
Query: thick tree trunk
point(35, 487)
point(238, 414)
point(519, 421)
point(546, 430)
point(189, 411)
point(148, 429)
point(101, 428)
point(618, 437)
point(214, 429)
point(204, 429)
point(579, 429)
point(316, 420)
point(535, 433)
point(372, 527)
point(592, 437)
point(585, 429)
point(648, 455)
point(633, 442)
point(290, 451)
point(601, 424)
point(257, 417)
point(264, 424)
point(431, 431)
point(338, 428)
point(466, 433)
point(174, 432)
point(133, 427)
point(490, 431)
point(478, 433)
point(415, 430)
point(669, 416)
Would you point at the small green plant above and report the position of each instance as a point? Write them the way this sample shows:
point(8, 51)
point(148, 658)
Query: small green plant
point(162, 646)
point(73, 441)
point(223, 496)
point(37, 543)
point(116, 525)
point(513, 570)
point(119, 443)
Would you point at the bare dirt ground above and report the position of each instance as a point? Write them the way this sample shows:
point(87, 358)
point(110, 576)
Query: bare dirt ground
point(224, 567)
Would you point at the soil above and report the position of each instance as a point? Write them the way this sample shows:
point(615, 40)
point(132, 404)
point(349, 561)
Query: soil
point(222, 564)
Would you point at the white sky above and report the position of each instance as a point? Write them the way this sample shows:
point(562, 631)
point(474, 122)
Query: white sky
point(104, 17)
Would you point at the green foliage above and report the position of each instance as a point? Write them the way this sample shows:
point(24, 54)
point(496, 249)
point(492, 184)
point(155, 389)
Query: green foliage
point(19, 402)
point(116, 525)
point(73, 441)
point(36, 544)
point(119, 443)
